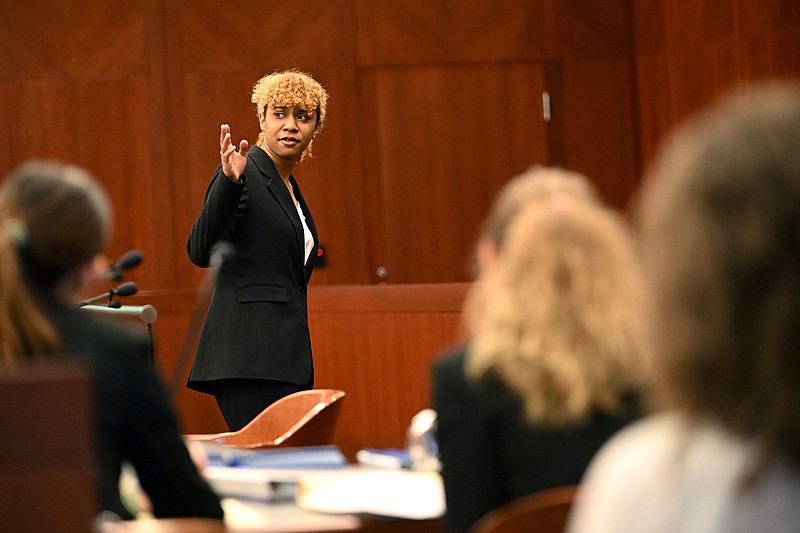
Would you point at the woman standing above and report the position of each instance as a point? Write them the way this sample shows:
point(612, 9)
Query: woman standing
point(255, 346)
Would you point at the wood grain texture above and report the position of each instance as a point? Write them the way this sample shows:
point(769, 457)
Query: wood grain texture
point(447, 139)
point(688, 53)
point(434, 106)
point(77, 84)
point(418, 32)
point(375, 342)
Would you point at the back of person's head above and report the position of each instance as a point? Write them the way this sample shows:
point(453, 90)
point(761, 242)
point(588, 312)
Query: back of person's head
point(54, 219)
point(557, 318)
point(721, 242)
point(536, 183)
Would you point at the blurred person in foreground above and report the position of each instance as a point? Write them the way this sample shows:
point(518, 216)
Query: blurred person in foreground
point(720, 220)
point(55, 220)
point(551, 365)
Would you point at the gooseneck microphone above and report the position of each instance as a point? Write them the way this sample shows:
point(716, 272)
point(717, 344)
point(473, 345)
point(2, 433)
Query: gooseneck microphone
point(127, 261)
point(124, 289)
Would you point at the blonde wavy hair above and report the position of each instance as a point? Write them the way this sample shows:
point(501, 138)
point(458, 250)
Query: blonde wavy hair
point(534, 185)
point(557, 319)
point(292, 88)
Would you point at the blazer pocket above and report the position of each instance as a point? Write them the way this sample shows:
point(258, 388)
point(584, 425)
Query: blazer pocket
point(262, 293)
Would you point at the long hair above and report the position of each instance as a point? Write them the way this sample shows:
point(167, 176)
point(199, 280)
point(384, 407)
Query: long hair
point(721, 243)
point(558, 319)
point(53, 218)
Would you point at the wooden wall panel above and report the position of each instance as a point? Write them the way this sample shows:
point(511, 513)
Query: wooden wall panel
point(594, 28)
point(418, 139)
point(212, 64)
point(136, 93)
point(377, 343)
point(447, 139)
point(77, 84)
point(446, 31)
point(430, 71)
point(595, 82)
point(599, 136)
point(688, 53)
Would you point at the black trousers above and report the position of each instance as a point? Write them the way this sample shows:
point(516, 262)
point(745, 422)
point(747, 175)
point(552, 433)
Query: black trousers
point(241, 400)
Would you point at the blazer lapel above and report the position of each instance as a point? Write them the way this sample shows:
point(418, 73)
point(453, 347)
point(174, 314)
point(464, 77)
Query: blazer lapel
point(309, 265)
point(281, 194)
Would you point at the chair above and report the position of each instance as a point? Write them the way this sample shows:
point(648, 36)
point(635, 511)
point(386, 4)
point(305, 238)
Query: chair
point(545, 511)
point(305, 418)
point(47, 461)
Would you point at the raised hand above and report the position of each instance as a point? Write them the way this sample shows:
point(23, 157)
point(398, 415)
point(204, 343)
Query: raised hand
point(233, 160)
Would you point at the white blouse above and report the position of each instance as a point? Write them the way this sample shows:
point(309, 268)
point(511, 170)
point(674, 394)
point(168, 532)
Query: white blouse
point(665, 474)
point(306, 233)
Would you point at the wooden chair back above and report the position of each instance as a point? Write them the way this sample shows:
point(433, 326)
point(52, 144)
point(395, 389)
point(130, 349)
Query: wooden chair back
point(545, 511)
point(47, 463)
point(305, 418)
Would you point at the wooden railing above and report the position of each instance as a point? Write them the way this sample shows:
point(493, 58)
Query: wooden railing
point(375, 342)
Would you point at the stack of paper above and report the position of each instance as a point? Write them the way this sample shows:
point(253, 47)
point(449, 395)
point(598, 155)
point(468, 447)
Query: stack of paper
point(406, 494)
point(384, 457)
point(328, 456)
point(266, 474)
point(259, 484)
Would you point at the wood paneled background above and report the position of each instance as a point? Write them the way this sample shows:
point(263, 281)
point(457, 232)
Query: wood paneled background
point(435, 104)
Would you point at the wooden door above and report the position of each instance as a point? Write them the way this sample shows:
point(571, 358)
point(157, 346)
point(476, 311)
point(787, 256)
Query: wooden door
point(442, 141)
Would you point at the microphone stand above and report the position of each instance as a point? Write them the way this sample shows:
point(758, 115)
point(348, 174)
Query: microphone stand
point(125, 289)
point(95, 299)
point(146, 313)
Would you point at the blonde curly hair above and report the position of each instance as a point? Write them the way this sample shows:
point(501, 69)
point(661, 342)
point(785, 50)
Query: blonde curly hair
point(292, 88)
point(557, 319)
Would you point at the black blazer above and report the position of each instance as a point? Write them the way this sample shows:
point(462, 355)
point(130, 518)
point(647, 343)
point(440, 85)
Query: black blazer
point(134, 420)
point(257, 321)
point(490, 455)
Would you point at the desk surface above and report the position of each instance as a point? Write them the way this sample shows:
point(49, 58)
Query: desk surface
point(243, 516)
point(353, 490)
point(257, 517)
point(354, 498)
point(289, 518)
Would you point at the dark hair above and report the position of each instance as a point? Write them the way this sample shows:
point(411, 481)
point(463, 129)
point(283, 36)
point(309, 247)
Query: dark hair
point(55, 218)
point(721, 241)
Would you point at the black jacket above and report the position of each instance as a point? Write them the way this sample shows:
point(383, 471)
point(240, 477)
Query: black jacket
point(490, 455)
point(134, 420)
point(257, 322)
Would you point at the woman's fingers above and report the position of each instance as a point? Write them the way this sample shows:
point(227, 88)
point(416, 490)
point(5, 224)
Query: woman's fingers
point(224, 130)
point(232, 162)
